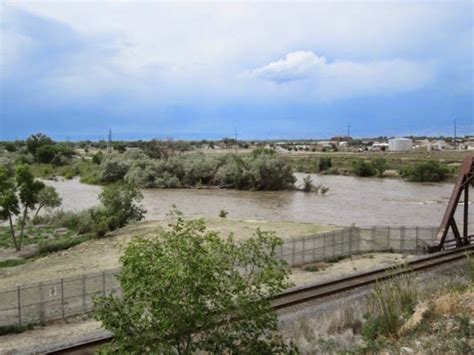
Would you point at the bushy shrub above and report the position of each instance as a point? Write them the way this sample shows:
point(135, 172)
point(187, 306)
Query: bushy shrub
point(97, 157)
point(380, 165)
point(263, 171)
point(120, 205)
point(429, 171)
point(324, 163)
point(113, 170)
point(363, 168)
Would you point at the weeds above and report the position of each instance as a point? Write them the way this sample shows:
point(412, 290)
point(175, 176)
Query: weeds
point(12, 263)
point(15, 329)
point(470, 266)
point(51, 247)
point(389, 304)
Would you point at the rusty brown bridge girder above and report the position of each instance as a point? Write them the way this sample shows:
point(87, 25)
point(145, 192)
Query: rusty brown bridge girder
point(463, 183)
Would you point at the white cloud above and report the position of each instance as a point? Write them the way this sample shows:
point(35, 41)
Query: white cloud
point(314, 75)
point(296, 65)
point(192, 49)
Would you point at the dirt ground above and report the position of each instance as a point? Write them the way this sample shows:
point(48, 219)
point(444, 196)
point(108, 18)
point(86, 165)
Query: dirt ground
point(60, 332)
point(354, 264)
point(103, 254)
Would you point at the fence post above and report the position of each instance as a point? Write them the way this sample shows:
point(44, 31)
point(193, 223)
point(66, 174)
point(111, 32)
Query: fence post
point(373, 238)
point(324, 247)
point(351, 236)
point(18, 293)
point(402, 240)
point(333, 244)
point(41, 311)
point(84, 293)
point(62, 298)
point(416, 240)
point(358, 238)
point(304, 247)
point(103, 283)
point(388, 237)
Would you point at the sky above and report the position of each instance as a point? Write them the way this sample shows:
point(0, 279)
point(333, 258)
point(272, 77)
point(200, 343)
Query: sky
point(268, 70)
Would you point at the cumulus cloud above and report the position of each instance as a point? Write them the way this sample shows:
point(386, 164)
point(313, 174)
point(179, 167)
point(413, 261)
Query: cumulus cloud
point(295, 66)
point(345, 78)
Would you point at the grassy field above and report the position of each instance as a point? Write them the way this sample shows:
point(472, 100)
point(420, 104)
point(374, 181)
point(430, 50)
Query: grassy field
point(103, 254)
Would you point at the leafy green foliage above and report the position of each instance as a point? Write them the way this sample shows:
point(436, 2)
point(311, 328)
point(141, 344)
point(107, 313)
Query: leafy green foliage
point(97, 157)
point(55, 154)
point(190, 290)
point(429, 171)
point(113, 170)
point(62, 244)
point(380, 165)
point(11, 262)
point(363, 168)
point(35, 141)
point(120, 204)
point(253, 172)
point(324, 164)
point(48, 197)
point(307, 183)
point(15, 190)
point(15, 329)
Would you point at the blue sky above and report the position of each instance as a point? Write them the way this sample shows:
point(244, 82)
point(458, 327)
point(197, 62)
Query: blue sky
point(200, 70)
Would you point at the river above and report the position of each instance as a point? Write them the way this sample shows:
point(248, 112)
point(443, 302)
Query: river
point(365, 202)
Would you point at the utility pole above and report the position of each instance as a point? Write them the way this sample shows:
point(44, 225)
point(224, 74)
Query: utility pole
point(455, 143)
point(236, 142)
point(109, 144)
point(348, 129)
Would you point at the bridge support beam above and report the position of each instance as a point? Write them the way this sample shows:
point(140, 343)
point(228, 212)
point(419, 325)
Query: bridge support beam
point(463, 183)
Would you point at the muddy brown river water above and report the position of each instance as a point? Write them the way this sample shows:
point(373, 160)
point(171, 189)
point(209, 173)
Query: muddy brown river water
point(365, 202)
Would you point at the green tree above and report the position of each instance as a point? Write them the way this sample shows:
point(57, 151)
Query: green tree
point(191, 291)
point(36, 141)
point(28, 192)
point(20, 189)
point(10, 147)
point(9, 203)
point(120, 204)
point(48, 197)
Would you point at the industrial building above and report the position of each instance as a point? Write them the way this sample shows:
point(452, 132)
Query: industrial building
point(400, 144)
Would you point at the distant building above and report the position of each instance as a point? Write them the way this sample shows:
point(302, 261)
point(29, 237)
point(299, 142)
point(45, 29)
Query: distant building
point(400, 144)
point(438, 145)
point(341, 139)
point(379, 146)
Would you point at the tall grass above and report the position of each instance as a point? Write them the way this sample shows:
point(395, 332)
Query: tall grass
point(390, 304)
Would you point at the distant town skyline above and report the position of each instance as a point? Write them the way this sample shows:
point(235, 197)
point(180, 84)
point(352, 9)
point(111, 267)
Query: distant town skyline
point(201, 70)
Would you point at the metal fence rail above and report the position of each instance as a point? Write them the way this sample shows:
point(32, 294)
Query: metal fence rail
point(59, 299)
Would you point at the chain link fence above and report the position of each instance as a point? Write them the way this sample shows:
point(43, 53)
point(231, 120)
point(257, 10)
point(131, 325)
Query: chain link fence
point(60, 299)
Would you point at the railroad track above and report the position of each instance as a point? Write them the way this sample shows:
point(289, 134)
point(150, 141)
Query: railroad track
point(304, 294)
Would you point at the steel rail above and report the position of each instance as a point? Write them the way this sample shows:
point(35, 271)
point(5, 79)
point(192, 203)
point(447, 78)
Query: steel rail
point(305, 294)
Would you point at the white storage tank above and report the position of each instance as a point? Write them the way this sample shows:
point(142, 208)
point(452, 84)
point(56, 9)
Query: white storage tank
point(400, 144)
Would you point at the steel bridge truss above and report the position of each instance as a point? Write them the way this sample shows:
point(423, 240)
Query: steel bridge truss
point(461, 188)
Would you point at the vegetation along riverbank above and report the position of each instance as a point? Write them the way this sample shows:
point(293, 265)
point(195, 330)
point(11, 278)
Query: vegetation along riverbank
point(223, 164)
